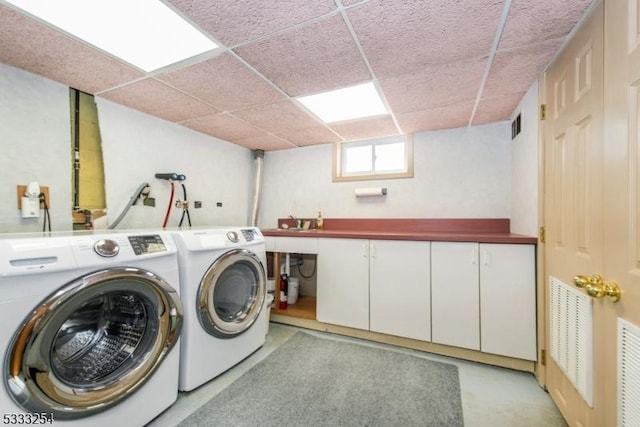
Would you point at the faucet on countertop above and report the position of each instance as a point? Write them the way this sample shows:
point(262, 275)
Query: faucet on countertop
point(298, 221)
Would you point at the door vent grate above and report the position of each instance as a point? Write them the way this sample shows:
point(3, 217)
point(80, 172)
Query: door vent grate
point(628, 374)
point(571, 335)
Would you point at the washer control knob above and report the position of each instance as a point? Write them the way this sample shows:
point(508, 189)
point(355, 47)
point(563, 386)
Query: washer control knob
point(233, 236)
point(106, 248)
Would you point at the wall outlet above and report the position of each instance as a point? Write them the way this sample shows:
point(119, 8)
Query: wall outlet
point(197, 204)
point(219, 204)
point(20, 189)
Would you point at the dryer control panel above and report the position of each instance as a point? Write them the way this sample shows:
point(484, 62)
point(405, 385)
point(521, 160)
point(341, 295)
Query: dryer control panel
point(147, 244)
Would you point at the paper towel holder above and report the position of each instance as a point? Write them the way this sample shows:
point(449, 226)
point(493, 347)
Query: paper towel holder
point(371, 192)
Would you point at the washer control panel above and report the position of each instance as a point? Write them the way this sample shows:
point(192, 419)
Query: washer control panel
point(233, 237)
point(106, 248)
point(147, 244)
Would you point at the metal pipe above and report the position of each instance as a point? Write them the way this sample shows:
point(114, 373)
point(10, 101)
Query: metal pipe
point(258, 156)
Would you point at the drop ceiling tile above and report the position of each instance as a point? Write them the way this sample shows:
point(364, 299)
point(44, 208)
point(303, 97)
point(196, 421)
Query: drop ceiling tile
point(367, 128)
point(237, 21)
point(277, 117)
point(156, 98)
point(449, 117)
point(514, 71)
point(222, 81)
point(309, 136)
point(315, 57)
point(265, 142)
point(223, 126)
point(534, 21)
point(38, 48)
point(498, 108)
point(401, 37)
point(436, 86)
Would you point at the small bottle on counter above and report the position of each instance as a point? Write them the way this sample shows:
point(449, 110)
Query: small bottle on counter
point(319, 221)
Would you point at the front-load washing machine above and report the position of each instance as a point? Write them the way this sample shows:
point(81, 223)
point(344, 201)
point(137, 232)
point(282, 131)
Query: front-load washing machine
point(223, 291)
point(89, 325)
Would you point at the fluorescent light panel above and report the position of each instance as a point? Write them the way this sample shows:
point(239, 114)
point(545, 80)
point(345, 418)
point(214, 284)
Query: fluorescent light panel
point(349, 103)
point(144, 33)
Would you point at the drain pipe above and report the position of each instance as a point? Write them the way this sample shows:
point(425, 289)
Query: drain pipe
point(258, 161)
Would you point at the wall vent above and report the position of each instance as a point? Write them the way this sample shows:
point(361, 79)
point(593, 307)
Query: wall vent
point(571, 335)
point(628, 374)
point(516, 126)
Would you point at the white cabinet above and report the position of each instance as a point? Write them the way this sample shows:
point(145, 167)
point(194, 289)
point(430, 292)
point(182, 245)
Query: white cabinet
point(399, 291)
point(455, 294)
point(508, 300)
point(483, 297)
point(377, 285)
point(343, 282)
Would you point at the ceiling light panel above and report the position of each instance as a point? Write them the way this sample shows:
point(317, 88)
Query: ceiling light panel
point(144, 33)
point(349, 103)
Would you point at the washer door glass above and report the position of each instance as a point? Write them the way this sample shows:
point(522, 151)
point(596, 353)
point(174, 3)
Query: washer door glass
point(93, 343)
point(231, 294)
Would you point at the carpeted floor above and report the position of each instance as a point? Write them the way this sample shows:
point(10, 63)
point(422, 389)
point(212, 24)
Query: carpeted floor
point(312, 381)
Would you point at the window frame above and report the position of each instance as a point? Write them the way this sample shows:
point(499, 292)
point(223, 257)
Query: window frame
point(338, 154)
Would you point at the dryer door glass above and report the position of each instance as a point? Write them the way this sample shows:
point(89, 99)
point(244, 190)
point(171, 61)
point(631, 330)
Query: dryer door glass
point(93, 342)
point(231, 294)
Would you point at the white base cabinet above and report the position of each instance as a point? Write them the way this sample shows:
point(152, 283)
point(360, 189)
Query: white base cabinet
point(508, 300)
point(484, 297)
point(377, 285)
point(399, 288)
point(342, 295)
point(455, 294)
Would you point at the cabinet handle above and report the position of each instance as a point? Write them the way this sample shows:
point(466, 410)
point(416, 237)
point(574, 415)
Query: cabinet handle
point(474, 256)
point(373, 251)
point(365, 250)
point(486, 257)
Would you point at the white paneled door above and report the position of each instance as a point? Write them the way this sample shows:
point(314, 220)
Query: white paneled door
point(622, 211)
point(573, 213)
point(592, 204)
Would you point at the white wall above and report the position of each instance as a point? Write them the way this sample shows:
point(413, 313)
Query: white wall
point(36, 146)
point(458, 173)
point(524, 167)
point(136, 146)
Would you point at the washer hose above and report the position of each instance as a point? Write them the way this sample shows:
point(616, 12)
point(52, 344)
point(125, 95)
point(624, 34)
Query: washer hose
point(185, 206)
point(134, 198)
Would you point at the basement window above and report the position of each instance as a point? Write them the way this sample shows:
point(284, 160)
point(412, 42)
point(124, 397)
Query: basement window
point(380, 158)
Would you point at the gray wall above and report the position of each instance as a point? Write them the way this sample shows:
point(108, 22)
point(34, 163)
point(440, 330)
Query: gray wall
point(136, 146)
point(36, 146)
point(524, 168)
point(458, 173)
point(464, 173)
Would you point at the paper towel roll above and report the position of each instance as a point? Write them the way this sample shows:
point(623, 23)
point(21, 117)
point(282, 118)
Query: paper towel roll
point(374, 191)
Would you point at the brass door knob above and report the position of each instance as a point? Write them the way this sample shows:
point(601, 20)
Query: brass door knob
point(611, 290)
point(581, 281)
point(596, 288)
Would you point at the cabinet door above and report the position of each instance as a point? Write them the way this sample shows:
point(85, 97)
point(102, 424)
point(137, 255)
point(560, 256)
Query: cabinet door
point(343, 282)
point(455, 294)
point(399, 286)
point(508, 300)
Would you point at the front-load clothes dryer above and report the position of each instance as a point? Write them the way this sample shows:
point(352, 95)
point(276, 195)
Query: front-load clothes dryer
point(223, 291)
point(89, 330)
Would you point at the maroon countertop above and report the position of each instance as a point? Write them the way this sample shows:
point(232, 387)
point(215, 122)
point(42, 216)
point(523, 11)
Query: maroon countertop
point(450, 230)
